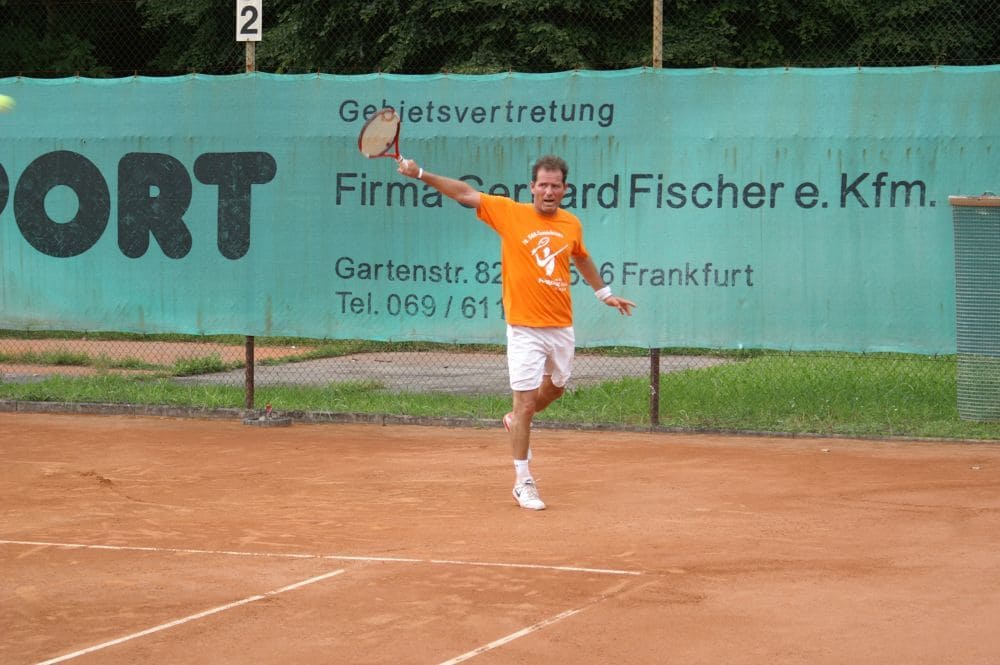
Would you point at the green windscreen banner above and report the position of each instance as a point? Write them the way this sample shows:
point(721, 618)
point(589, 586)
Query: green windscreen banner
point(775, 208)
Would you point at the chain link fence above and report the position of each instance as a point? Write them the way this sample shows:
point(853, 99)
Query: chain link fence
point(114, 38)
point(799, 392)
point(690, 389)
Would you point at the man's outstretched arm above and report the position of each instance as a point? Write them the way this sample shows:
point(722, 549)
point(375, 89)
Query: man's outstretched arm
point(460, 191)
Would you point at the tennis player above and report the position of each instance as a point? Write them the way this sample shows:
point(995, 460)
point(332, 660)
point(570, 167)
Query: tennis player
point(537, 241)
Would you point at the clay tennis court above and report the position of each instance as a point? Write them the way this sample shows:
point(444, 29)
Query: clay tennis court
point(138, 539)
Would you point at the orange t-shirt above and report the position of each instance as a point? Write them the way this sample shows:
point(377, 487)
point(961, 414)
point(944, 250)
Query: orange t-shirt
point(535, 253)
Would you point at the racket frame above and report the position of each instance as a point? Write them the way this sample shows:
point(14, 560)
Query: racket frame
point(392, 149)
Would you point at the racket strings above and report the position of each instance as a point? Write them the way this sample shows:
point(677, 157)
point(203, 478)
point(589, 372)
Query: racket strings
point(379, 135)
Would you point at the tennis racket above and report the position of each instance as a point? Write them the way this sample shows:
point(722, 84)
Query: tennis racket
point(380, 135)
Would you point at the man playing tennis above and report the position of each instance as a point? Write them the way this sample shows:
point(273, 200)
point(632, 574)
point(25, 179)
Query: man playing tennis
point(537, 241)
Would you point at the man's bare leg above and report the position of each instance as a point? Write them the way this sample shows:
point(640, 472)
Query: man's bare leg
point(526, 404)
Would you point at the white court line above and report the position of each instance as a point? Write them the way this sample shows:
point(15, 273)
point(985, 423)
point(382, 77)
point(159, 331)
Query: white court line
point(538, 626)
point(538, 566)
point(193, 617)
point(184, 550)
point(510, 638)
point(332, 557)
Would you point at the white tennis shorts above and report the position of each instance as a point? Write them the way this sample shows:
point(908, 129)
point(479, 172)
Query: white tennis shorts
point(533, 353)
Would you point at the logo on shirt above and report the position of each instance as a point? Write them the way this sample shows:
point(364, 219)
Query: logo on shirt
point(545, 257)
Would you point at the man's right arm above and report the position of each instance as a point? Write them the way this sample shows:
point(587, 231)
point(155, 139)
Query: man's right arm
point(460, 191)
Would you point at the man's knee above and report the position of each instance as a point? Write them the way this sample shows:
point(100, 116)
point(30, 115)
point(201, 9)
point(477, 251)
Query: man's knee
point(550, 388)
point(548, 393)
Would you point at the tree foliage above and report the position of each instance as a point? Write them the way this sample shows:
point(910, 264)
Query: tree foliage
point(122, 37)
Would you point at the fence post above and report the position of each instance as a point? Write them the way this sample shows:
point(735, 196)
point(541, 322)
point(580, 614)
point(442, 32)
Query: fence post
point(654, 354)
point(251, 66)
point(249, 387)
point(658, 34)
point(654, 387)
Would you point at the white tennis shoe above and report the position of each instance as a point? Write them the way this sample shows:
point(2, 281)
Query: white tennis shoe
point(526, 495)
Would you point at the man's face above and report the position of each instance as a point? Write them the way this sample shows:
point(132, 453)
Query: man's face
point(547, 191)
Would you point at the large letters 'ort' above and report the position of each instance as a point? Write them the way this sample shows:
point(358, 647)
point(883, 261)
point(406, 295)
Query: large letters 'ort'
point(154, 191)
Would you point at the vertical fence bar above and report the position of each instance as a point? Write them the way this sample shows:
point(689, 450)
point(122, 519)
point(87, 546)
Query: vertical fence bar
point(658, 34)
point(249, 383)
point(654, 354)
point(654, 387)
point(251, 65)
point(251, 56)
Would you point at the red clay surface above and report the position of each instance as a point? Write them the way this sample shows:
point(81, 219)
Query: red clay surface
point(200, 541)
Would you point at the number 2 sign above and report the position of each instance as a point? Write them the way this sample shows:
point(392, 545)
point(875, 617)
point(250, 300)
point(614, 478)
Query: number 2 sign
point(249, 19)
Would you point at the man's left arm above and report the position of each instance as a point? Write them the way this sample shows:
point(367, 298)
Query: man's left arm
point(585, 266)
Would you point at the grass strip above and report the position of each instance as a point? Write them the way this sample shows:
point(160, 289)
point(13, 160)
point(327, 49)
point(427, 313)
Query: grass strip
point(830, 394)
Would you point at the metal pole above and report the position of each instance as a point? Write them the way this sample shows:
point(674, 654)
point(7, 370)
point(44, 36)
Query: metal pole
point(658, 34)
point(249, 348)
point(249, 386)
point(654, 354)
point(654, 387)
point(251, 57)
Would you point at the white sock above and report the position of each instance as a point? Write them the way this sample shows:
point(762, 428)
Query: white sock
point(521, 470)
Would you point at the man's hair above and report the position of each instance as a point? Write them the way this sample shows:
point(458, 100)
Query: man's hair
point(549, 163)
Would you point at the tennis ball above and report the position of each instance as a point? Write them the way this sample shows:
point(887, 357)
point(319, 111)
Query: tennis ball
point(7, 103)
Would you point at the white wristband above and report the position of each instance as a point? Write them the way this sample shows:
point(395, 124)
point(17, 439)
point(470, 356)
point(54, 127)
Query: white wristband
point(603, 293)
point(420, 173)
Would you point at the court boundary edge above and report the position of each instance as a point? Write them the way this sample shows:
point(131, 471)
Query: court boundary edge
point(384, 419)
